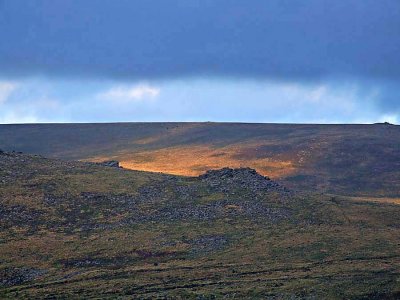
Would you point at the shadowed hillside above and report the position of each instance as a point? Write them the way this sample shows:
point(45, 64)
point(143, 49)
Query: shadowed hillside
point(341, 159)
point(82, 230)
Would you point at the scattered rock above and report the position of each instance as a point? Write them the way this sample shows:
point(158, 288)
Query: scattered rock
point(15, 276)
point(19, 215)
point(110, 163)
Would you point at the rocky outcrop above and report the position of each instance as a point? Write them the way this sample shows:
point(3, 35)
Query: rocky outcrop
point(384, 123)
point(110, 163)
point(228, 179)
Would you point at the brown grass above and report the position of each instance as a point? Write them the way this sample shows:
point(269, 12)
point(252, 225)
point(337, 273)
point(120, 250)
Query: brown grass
point(377, 199)
point(195, 160)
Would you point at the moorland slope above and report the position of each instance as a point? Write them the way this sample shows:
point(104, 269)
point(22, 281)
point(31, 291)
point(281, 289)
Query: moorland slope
point(83, 230)
point(359, 160)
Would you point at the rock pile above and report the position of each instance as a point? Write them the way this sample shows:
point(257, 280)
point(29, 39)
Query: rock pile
point(228, 179)
point(110, 163)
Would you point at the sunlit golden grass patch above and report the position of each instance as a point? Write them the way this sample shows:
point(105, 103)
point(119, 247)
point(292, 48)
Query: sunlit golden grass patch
point(195, 160)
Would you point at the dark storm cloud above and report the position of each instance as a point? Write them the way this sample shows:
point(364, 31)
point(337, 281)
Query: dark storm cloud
point(154, 39)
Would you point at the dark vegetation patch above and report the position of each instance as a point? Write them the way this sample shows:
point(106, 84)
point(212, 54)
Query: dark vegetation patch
point(266, 151)
point(207, 244)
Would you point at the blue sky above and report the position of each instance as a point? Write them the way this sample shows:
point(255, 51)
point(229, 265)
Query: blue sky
point(313, 61)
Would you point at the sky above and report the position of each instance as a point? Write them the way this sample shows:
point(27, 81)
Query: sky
point(289, 61)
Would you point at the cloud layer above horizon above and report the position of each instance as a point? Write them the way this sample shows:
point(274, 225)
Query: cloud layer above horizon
point(44, 100)
point(170, 60)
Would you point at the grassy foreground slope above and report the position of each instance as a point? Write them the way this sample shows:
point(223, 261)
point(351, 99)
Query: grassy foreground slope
point(75, 229)
point(359, 160)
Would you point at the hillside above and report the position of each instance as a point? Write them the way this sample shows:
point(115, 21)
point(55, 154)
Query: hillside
point(82, 230)
point(359, 160)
